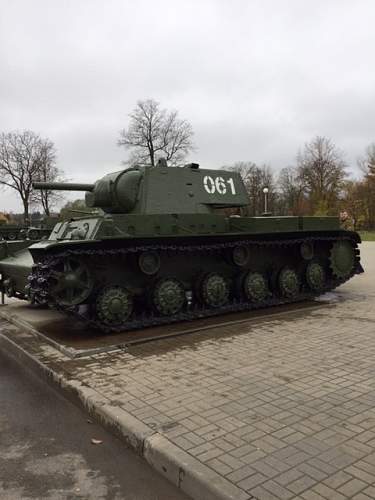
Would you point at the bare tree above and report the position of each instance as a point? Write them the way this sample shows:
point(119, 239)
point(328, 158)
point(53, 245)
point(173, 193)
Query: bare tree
point(366, 188)
point(321, 169)
point(255, 179)
point(22, 156)
point(291, 199)
point(367, 162)
point(48, 172)
point(78, 205)
point(353, 204)
point(155, 132)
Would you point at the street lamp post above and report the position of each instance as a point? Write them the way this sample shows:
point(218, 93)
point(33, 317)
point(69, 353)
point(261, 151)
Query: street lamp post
point(265, 192)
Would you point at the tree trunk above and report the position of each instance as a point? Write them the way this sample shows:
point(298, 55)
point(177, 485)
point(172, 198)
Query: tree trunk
point(26, 212)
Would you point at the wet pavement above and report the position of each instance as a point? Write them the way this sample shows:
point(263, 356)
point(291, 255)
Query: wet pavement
point(46, 450)
point(75, 339)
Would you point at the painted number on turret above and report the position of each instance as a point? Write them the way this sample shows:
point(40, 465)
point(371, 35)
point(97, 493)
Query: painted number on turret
point(218, 185)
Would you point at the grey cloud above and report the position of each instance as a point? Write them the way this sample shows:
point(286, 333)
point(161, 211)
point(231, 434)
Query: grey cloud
point(256, 79)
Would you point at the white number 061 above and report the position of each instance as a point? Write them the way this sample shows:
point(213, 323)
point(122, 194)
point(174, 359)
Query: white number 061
point(218, 185)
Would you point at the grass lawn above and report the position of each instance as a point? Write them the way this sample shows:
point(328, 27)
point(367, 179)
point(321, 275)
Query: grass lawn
point(367, 235)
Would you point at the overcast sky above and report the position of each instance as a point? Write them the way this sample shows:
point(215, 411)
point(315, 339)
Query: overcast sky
point(256, 79)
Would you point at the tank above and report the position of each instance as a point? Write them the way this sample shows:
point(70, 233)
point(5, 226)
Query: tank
point(160, 248)
point(12, 232)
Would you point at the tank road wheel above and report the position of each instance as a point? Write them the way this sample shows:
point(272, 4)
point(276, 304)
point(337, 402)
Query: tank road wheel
point(241, 255)
point(168, 297)
point(71, 282)
point(149, 262)
point(114, 306)
point(213, 290)
point(342, 258)
point(255, 287)
point(12, 236)
point(289, 283)
point(315, 276)
point(33, 234)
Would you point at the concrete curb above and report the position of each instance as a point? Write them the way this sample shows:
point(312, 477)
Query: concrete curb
point(183, 470)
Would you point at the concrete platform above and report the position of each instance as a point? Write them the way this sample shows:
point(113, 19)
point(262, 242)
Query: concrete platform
point(75, 340)
point(278, 407)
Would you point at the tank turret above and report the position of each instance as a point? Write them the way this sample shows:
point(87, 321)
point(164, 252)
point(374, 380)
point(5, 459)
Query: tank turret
point(161, 190)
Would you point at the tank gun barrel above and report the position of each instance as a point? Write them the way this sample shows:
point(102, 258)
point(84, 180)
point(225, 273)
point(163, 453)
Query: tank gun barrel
point(63, 186)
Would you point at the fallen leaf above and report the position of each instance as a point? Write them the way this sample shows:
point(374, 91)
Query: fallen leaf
point(96, 441)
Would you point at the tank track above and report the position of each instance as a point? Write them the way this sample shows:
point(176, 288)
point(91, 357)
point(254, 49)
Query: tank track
point(38, 287)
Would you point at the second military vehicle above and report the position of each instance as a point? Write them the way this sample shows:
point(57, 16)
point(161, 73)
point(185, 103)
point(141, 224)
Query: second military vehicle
point(163, 251)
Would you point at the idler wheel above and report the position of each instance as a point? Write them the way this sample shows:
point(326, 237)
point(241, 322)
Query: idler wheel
point(71, 282)
point(149, 262)
point(289, 283)
point(114, 306)
point(315, 276)
point(342, 258)
point(241, 255)
point(213, 290)
point(255, 287)
point(168, 297)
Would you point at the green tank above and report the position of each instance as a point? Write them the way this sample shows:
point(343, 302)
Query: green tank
point(12, 232)
point(161, 249)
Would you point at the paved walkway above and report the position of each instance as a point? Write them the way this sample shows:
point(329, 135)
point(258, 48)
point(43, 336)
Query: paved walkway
point(283, 408)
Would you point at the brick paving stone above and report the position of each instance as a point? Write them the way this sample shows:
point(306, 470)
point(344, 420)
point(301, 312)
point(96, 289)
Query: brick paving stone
point(312, 495)
point(253, 456)
point(337, 457)
point(232, 462)
point(302, 484)
point(241, 474)
point(352, 487)
point(219, 466)
point(277, 490)
point(263, 467)
point(252, 481)
point(297, 458)
point(243, 450)
point(370, 459)
point(209, 454)
point(316, 469)
point(193, 438)
point(361, 496)
point(288, 477)
point(278, 465)
point(262, 494)
point(365, 466)
point(369, 491)
point(293, 438)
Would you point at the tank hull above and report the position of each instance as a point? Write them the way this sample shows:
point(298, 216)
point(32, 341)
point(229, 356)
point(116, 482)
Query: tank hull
point(209, 274)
